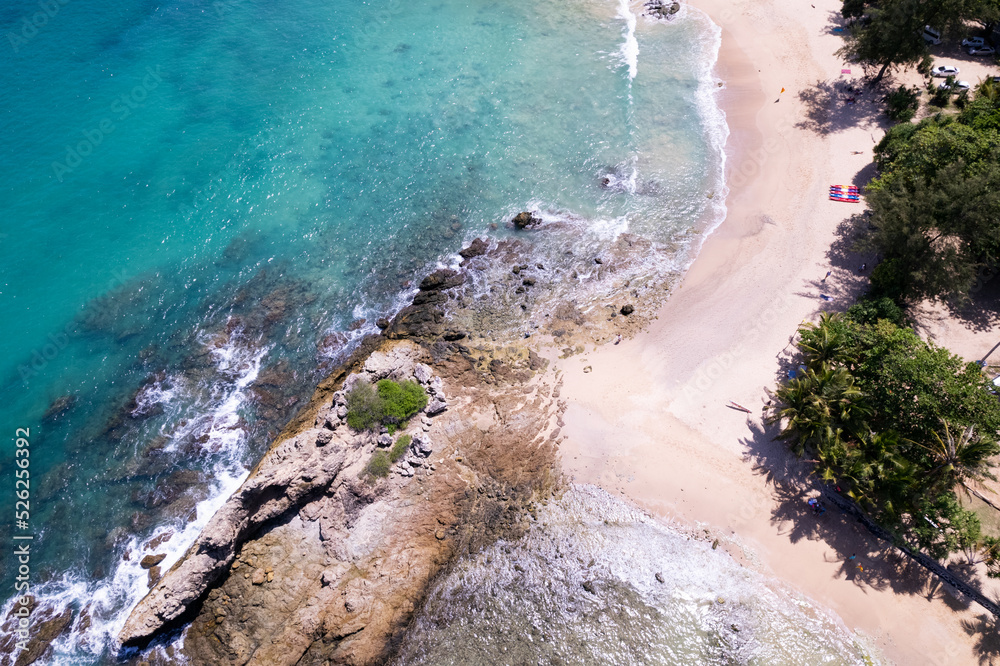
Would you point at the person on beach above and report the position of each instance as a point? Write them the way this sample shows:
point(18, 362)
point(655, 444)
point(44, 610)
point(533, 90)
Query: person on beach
point(852, 557)
point(826, 276)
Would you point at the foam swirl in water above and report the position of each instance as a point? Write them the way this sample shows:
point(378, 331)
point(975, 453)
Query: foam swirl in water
point(596, 580)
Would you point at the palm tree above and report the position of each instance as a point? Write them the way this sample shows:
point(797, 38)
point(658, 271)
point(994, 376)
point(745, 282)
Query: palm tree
point(824, 343)
point(892, 477)
point(988, 89)
point(818, 407)
point(965, 461)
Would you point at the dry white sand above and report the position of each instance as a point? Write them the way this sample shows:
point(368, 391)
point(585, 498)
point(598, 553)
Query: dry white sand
point(650, 420)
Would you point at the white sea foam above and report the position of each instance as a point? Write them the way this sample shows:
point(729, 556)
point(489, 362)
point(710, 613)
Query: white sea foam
point(596, 580)
point(109, 601)
point(157, 393)
point(630, 48)
point(714, 121)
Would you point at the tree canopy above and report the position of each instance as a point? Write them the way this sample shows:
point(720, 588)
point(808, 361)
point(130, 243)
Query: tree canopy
point(885, 34)
point(898, 424)
point(935, 207)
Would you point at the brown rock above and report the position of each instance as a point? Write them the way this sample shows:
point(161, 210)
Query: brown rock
point(44, 633)
point(258, 577)
point(156, 542)
point(154, 577)
point(444, 278)
point(292, 472)
point(525, 220)
point(151, 561)
point(477, 247)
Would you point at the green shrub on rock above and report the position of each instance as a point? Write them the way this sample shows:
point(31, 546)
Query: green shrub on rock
point(400, 400)
point(378, 466)
point(387, 403)
point(399, 448)
point(364, 408)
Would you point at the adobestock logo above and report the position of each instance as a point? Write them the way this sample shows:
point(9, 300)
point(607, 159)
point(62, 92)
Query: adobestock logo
point(122, 108)
point(31, 24)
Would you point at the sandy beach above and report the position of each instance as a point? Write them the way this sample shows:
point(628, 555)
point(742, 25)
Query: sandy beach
point(650, 421)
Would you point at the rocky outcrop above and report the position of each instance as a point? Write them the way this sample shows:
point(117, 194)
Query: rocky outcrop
point(476, 248)
point(424, 317)
point(526, 220)
point(150, 561)
point(47, 624)
point(338, 562)
point(663, 8)
point(300, 475)
point(292, 472)
point(315, 560)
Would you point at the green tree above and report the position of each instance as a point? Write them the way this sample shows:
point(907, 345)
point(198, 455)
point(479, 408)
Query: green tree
point(886, 34)
point(935, 205)
point(940, 526)
point(818, 406)
point(961, 459)
point(869, 410)
point(824, 344)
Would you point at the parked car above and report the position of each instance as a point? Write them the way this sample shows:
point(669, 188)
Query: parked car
point(957, 85)
point(973, 42)
point(983, 50)
point(931, 35)
point(945, 71)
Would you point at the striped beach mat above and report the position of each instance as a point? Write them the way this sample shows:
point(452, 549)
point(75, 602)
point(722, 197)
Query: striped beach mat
point(847, 193)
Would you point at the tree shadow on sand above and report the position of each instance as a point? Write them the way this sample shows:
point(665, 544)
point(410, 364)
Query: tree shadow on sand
point(982, 311)
point(834, 106)
point(876, 563)
point(849, 265)
point(985, 630)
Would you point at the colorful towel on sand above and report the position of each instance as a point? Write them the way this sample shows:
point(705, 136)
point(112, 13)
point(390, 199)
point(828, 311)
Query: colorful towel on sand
point(847, 193)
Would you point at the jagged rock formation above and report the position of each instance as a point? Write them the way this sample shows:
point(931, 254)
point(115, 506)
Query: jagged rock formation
point(312, 562)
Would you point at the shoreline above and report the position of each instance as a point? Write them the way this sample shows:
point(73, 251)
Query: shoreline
point(649, 421)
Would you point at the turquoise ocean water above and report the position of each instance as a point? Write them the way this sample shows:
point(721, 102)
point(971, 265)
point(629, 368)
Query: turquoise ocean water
point(202, 200)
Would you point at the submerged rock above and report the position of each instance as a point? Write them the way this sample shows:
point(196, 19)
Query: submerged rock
point(477, 248)
point(59, 406)
point(43, 632)
point(525, 220)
